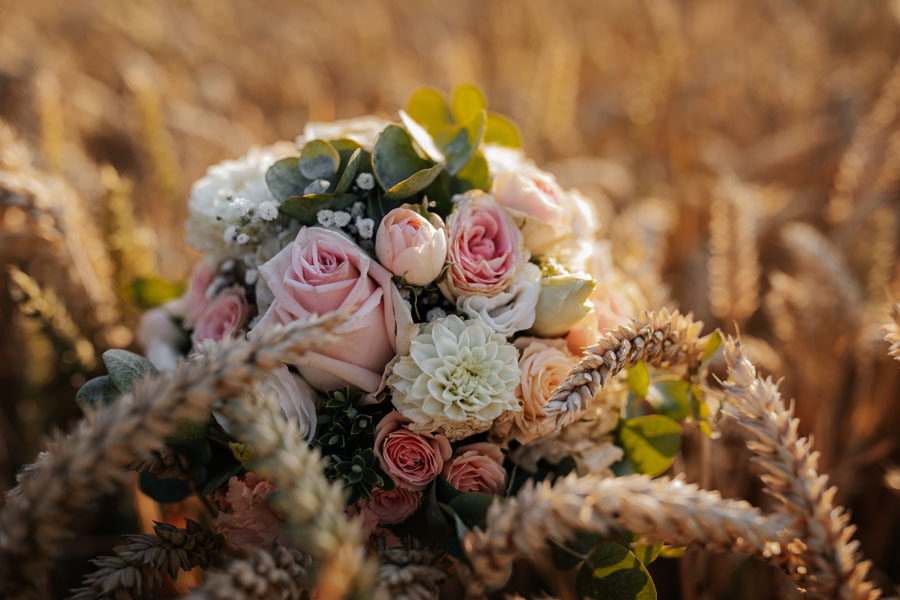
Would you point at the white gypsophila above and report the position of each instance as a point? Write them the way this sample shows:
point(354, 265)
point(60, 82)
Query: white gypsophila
point(362, 130)
point(325, 218)
point(434, 314)
point(366, 228)
point(365, 181)
point(509, 311)
point(232, 212)
point(458, 377)
point(341, 218)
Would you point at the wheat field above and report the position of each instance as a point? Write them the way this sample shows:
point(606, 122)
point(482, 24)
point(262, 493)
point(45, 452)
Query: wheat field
point(744, 158)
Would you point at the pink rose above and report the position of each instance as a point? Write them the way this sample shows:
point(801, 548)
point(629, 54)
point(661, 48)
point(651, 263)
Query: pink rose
point(410, 246)
point(412, 460)
point(196, 299)
point(389, 507)
point(223, 316)
point(244, 517)
point(322, 271)
point(477, 468)
point(542, 210)
point(485, 251)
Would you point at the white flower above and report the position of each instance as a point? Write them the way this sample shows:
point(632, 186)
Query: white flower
point(509, 311)
point(341, 218)
point(296, 397)
point(458, 377)
point(325, 217)
point(230, 233)
point(366, 228)
point(434, 314)
point(242, 239)
point(239, 207)
point(267, 211)
point(365, 181)
point(251, 276)
point(358, 209)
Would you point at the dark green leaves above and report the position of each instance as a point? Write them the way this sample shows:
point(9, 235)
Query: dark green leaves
point(285, 179)
point(126, 367)
point(670, 398)
point(98, 391)
point(650, 443)
point(612, 572)
point(318, 160)
point(398, 167)
point(460, 143)
point(472, 507)
point(306, 208)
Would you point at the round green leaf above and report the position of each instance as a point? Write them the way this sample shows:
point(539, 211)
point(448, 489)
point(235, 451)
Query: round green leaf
point(350, 171)
point(650, 443)
point(611, 572)
point(639, 379)
point(501, 131)
point(415, 184)
point(284, 178)
point(306, 208)
point(474, 176)
point(467, 102)
point(670, 398)
point(394, 159)
point(429, 109)
point(421, 137)
point(126, 367)
point(319, 160)
point(460, 143)
point(97, 391)
point(472, 506)
point(646, 554)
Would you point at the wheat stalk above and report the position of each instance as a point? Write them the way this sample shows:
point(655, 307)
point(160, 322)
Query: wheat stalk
point(662, 339)
point(312, 505)
point(892, 331)
point(281, 572)
point(660, 510)
point(824, 560)
point(78, 468)
point(138, 567)
point(408, 574)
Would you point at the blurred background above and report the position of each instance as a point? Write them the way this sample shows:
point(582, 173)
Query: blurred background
point(744, 156)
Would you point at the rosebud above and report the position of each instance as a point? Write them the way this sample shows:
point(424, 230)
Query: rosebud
point(564, 301)
point(410, 246)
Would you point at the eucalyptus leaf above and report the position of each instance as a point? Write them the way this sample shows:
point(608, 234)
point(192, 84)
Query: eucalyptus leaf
point(429, 109)
point(317, 186)
point(467, 101)
point(639, 379)
point(474, 176)
point(440, 199)
point(612, 572)
point(319, 160)
point(284, 178)
point(472, 506)
point(501, 131)
point(306, 208)
point(421, 136)
point(350, 171)
point(394, 159)
point(97, 391)
point(126, 367)
point(415, 184)
point(670, 398)
point(460, 143)
point(650, 443)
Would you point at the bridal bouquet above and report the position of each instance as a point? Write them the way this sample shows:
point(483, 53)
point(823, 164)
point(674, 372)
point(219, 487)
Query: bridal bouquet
point(470, 283)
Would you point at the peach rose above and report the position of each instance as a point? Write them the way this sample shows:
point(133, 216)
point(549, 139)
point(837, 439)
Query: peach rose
point(544, 364)
point(485, 250)
point(389, 507)
point(412, 460)
point(538, 205)
point(322, 271)
point(223, 316)
point(244, 517)
point(410, 246)
point(477, 468)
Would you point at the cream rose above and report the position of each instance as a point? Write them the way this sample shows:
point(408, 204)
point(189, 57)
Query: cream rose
point(322, 271)
point(485, 248)
point(539, 206)
point(410, 246)
point(509, 311)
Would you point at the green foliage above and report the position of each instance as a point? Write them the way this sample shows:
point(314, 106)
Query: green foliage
point(670, 398)
point(639, 379)
point(285, 180)
point(148, 292)
point(612, 572)
point(97, 391)
point(650, 443)
point(305, 209)
point(346, 435)
point(126, 367)
point(318, 160)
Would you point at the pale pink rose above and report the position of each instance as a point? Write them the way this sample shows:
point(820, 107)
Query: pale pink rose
point(196, 299)
point(389, 507)
point(544, 364)
point(410, 246)
point(485, 249)
point(477, 468)
point(223, 316)
point(320, 272)
point(532, 192)
point(412, 460)
point(244, 517)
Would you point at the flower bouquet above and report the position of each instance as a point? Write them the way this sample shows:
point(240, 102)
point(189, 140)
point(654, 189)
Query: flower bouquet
point(405, 341)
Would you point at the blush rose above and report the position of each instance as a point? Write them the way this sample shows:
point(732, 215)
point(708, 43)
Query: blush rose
point(223, 316)
point(477, 468)
point(412, 460)
point(410, 246)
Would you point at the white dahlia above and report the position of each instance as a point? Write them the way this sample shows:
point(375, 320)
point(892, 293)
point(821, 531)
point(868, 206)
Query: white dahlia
point(458, 377)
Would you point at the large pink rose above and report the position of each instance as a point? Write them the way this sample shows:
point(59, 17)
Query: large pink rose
point(322, 271)
point(389, 507)
point(411, 246)
point(477, 468)
point(412, 460)
point(223, 316)
point(244, 517)
point(486, 249)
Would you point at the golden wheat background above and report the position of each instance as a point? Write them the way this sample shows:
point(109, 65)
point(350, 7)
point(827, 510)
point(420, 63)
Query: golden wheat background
point(745, 158)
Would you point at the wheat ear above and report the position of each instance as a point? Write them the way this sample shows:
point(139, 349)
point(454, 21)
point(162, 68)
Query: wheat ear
point(663, 339)
point(661, 510)
point(408, 574)
point(280, 572)
point(824, 560)
point(892, 331)
point(78, 468)
point(137, 569)
point(312, 505)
